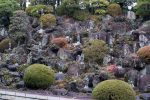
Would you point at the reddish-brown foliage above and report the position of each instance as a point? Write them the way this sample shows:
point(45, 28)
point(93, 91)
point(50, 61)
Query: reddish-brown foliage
point(144, 53)
point(61, 42)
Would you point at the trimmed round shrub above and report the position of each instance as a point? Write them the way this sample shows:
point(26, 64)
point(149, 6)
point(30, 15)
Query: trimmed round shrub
point(114, 9)
point(144, 54)
point(48, 20)
point(113, 90)
point(95, 51)
point(34, 11)
point(38, 76)
point(4, 44)
point(81, 15)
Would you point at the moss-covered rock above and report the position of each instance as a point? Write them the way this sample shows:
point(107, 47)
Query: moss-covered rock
point(113, 90)
point(38, 76)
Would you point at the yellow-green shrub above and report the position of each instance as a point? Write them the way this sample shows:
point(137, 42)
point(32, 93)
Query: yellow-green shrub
point(95, 51)
point(114, 9)
point(81, 15)
point(144, 53)
point(113, 90)
point(48, 20)
point(38, 76)
point(33, 10)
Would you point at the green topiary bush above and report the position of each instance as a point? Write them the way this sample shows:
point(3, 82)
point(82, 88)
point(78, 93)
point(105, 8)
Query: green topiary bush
point(143, 9)
point(33, 10)
point(48, 20)
point(7, 7)
point(144, 54)
point(4, 44)
point(113, 90)
point(68, 7)
point(81, 15)
point(99, 6)
point(38, 76)
point(95, 51)
point(114, 9)
point(61, 10)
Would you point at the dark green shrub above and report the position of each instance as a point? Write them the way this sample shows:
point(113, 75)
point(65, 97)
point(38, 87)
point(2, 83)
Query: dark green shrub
point(61, 10)
point(48, 20)
point(4, 44)
point(34, 10)
point(114, 9)
point(81, 15)
point(44, 2)
point(7, 7)
point(95, 51)
point(68, 7)
point(113, 90)
point(38, 76)
point(143, 8)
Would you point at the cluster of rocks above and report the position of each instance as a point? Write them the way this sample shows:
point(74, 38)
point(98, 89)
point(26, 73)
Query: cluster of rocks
point(73, 73)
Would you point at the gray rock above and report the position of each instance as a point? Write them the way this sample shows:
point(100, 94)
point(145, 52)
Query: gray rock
point(73, 69)
point(60, 92)
point(120, 72)
point(73, 87)
point(147, 69)
point(145, 96)
point(13, 67)
point(20, 85)
point(132, 76)
point(60, 76)
point(144, 81)
point(14, 74)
